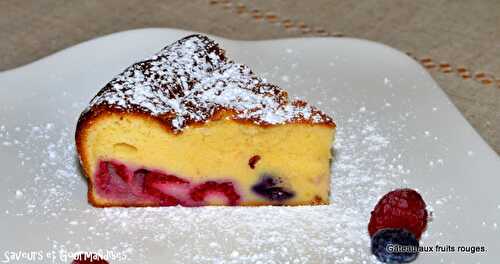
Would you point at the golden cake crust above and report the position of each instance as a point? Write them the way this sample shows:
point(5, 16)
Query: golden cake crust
point(191, 82)
point(152, 92)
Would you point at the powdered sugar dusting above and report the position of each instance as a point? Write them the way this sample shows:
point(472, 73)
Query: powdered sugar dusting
point(307, 234)
point(43, 199)
point(190, 80)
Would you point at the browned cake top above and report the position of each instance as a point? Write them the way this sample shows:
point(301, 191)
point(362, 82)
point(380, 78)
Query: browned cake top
point(191, 80)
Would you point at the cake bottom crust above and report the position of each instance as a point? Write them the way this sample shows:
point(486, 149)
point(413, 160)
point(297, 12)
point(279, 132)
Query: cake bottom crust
point(118, 185)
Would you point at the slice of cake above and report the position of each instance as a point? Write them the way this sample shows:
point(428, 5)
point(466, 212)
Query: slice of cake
point(189, 127)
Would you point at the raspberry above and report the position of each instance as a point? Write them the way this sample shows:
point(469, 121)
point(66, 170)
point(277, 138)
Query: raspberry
point(199, 192)
point(163, 198)
point(401, 208)
point(91, 258)
point(151, 178)
point(112, 177)
point(164, 178)
point(137, 182)
point(120, 170)
point(102, 177)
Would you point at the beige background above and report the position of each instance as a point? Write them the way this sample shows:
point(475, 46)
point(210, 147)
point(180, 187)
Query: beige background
point(453, 39)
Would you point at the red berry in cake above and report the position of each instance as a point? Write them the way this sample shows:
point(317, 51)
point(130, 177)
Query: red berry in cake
point(102, 176)
point(200, 192)
point(253, 161)
point(162, 186)
point(165, 178)
point(163, 198)
point(137, 181)
point(401, 208)
point(120, 170)
point(112, 177)
point(86, 258)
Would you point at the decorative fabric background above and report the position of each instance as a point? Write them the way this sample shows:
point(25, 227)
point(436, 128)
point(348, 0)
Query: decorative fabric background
point(458, 41)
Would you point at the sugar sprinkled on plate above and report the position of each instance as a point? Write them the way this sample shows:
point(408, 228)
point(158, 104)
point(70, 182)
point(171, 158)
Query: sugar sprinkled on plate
point(336, 233)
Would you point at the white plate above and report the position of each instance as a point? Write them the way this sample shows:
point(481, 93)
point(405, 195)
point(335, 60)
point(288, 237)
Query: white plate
point(396, 128)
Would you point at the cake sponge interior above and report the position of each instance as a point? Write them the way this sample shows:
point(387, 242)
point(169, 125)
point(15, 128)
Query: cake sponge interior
point(298, 154)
